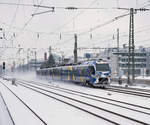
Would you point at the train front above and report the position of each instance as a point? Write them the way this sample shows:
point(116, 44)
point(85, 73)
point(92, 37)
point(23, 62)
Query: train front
point(102, 74)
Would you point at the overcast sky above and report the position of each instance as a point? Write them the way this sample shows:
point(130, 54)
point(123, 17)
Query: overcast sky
point(57, 28)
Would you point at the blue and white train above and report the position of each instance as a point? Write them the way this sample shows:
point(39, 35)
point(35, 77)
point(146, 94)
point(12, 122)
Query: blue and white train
point(94, 73)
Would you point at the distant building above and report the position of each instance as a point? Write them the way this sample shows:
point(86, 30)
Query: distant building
point(119, 61)
point(139, 59)
point(34, 64)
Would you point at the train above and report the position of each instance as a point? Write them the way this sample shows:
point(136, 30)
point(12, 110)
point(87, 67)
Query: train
point(95, 73)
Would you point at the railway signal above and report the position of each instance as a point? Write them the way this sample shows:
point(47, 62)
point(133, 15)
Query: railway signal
point(3, 65)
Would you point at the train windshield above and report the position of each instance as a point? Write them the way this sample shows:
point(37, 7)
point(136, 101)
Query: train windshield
point(102, 67)
point(92, 70)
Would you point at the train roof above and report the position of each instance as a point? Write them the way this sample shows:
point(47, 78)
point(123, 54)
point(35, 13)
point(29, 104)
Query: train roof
point(100, 61)
point(65, 67)
point(87, 63)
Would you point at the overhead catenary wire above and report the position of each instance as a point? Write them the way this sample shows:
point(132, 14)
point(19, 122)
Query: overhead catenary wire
point(58, 7)
point(147, 5)
point(106, 23)
point(68, 22)
point(10, 26)
point(87, 32)
point(30, 18)
point(22, 29)
point(17, 4)
point(142, 4)
point(73, 18)
point(99, 26)
point(123, 34)
point(13, 19)
point(28, 21)
point(39, 5)
point(67, 32)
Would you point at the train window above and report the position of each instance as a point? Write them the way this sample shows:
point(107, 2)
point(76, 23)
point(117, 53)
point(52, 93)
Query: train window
point(58, 72)
point(75, 72)
point(64, 71)
point(51, 72)
point(82, 72)
point(86, 72)
point(102, 67)
point(79, 71)
point(54, 72)
point(45, 72)
point(92, 70)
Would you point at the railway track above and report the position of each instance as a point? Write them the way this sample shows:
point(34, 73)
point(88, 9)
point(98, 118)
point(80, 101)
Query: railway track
point(52, 94)
point(6, 107)
point(129, 88)
point(26, 105)
point(130, 92)
point(83, 93)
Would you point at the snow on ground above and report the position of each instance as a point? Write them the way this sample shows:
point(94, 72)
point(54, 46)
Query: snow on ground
point(135, 85)
point(4, 115)
point(143, 77)
point(95, 91)
point(20, 114)
point(138, 77)
point(104, 93)
point(52, 111)
point(111, 108)
point(143, 84)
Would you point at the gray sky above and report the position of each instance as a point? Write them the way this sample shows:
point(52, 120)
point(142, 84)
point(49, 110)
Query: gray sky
point(49, 26)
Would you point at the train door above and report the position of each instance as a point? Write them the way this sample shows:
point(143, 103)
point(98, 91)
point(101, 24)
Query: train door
point(78, 74)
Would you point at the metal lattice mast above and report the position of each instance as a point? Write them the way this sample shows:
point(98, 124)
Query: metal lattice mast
point(75, 49)
point(131, 48)
point(132, 42)
point(118, 52)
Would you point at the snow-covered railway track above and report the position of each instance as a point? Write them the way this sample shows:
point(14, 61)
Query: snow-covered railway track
point(130, 92)
point(6, 107)
point(86, 105)
point(87, 95)
point(26, 105)
point(131, 88)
